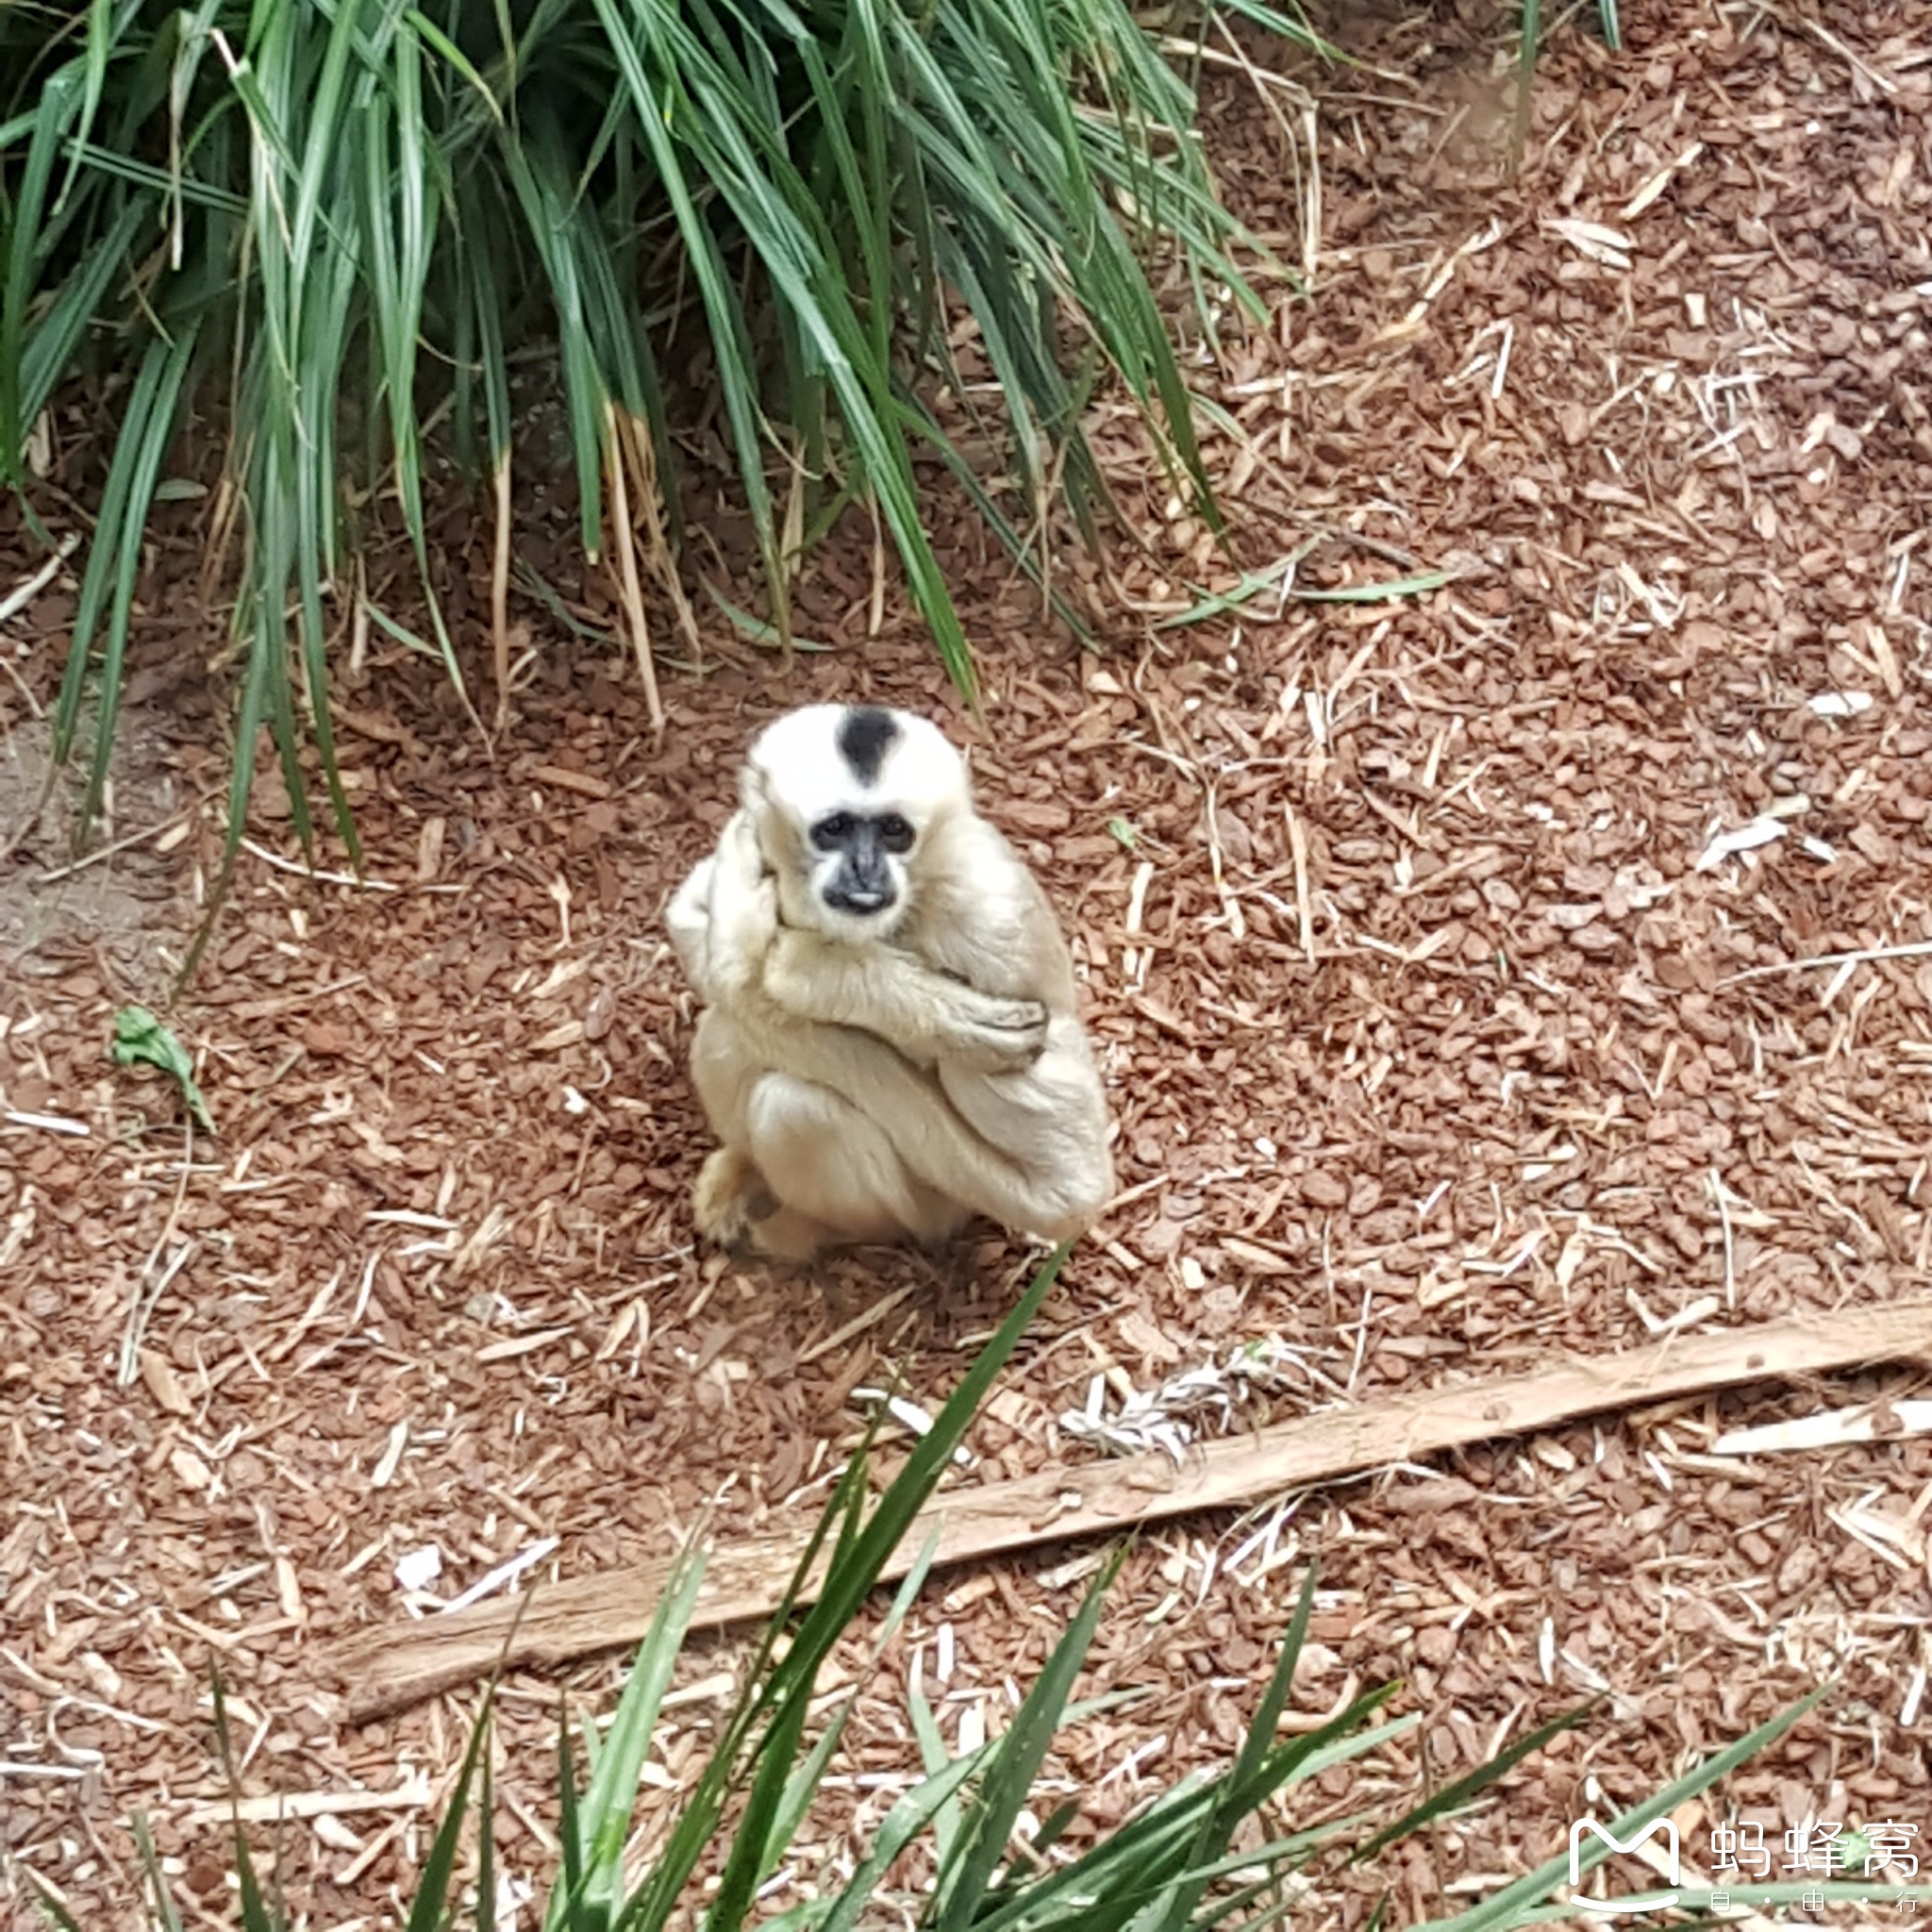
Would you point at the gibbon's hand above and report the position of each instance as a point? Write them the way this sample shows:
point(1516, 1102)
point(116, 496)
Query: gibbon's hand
point(688, 920)
point(744, 910)
point(981, 1033)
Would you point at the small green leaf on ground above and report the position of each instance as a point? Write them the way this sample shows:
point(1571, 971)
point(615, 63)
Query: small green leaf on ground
point(754, 630)
point(1250, 585)
point(1279, 577)
point(1124, 832)
point(139, 1037)
point(1377, 593)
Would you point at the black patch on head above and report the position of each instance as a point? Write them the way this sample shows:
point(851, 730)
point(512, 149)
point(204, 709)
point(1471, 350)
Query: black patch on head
point(865, 732)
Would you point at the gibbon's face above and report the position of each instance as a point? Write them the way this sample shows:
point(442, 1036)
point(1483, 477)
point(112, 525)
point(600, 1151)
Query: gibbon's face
point(846, 796)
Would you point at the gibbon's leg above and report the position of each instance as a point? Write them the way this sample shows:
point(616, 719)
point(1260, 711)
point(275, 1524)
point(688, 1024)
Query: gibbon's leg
point(731, 1195)
point(1051, 1181)
point(724, 1066)
point(733, 1208)
point(835, 1172)
point(801, 1168)
point(926, 1015)
point(1051, 1121)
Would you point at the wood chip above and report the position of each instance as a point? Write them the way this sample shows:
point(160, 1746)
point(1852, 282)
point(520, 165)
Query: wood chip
point(163, 1384)
point(1830, 1430)
point(523, 1344)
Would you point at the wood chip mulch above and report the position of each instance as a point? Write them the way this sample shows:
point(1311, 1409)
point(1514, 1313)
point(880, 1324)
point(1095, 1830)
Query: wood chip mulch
point(1445, 1031)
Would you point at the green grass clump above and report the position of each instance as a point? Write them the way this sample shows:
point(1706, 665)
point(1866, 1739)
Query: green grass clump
point(332, 227)
point(1170, 1867)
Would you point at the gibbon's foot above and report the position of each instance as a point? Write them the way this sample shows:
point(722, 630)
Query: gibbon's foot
point(735, 1209)
point(730, 1201)
point(790, 1236)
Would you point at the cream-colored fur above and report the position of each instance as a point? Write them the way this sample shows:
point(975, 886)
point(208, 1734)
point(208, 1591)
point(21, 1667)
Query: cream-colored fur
point(885, 1080)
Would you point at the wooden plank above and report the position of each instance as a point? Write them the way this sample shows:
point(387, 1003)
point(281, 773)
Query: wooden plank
point(383, 1670)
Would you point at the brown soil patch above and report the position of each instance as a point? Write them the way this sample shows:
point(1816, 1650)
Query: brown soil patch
point(1481, 1077)
point(124, 893)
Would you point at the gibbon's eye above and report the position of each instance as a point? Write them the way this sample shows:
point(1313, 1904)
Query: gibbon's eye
point(895, 835)
point(829, 834)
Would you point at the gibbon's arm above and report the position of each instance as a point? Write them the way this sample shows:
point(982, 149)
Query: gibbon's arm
point(926, 1015)
point(741, 913)
point(724, 927)
point(983, 917)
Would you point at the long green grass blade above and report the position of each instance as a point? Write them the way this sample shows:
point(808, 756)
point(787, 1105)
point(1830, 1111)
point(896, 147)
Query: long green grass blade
point(257, 1914)
point(56, 335)
point(50, 1903)
point(962, 1887)
point(656, 107)
point(429, 1910)
point(114, 559)
point(100, 47)
point(1452, 1797)
point(948, 1819)
point(905, 1822)
point(848, 1585)
point(167, 1914)
point(1526, 70)
point(757, 1838)
point(543, 197)
point(1251, 584)
point(1418, 585)
point(601, 1816)
point(802, 1786)
point(1508, 1907)
point(487, 1919)
point(60, 103)
point(570, 1828)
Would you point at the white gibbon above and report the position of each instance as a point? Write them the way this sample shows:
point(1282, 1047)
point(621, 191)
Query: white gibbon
point(891, 1041)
